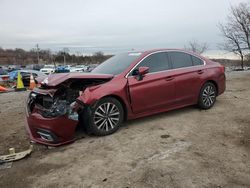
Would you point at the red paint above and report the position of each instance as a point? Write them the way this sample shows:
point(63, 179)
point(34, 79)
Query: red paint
point(55, 79)
point(155, 93)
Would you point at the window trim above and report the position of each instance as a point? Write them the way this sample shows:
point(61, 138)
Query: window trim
point(204, 62)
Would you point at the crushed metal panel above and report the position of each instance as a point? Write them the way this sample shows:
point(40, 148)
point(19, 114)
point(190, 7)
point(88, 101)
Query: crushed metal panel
point(13, 156)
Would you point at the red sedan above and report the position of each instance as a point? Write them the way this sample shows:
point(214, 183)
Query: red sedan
point(126, 86)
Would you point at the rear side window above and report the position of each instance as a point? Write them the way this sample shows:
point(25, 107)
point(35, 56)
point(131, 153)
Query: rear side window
point(197, 61)
point(156, 62)
point(180, 59)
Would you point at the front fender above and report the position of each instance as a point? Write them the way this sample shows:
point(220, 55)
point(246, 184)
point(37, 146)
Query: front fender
point(116, 87)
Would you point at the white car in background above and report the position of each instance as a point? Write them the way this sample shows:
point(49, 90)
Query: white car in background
point(78, 68)
point(48, 69)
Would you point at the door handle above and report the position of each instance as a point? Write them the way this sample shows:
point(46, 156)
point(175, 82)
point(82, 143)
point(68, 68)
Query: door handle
point(169, 78)
point(200, 71)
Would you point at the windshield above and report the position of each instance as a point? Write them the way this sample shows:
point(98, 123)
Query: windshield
point(116, 64)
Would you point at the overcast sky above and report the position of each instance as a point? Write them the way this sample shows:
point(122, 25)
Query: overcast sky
point(110, 25)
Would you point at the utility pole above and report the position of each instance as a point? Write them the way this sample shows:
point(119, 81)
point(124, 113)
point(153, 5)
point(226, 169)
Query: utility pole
point(65, 52)
point(37, 52)
point(64, 59)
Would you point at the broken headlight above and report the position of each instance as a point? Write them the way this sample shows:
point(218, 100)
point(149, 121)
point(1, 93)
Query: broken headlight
point(59, 108)
point(73, 111)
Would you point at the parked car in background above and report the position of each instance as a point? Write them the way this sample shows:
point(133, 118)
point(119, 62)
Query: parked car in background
point(78, 68)
point(48, 69)
point(3, 74)
point(13, 67)
point(126, 86)
point(91, 67)
point(25, 75)
point(62, 69)
point(34, 67)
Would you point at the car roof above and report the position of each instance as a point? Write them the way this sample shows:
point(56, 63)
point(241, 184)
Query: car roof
point(146, 52)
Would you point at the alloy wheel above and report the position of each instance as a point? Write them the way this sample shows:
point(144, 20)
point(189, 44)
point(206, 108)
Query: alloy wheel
point(208, 96)
point(106, 116)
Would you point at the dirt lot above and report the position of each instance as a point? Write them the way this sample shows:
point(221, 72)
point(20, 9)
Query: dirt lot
point(182, 148)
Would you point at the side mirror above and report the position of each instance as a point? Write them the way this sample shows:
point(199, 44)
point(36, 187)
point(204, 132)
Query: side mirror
point(143, 70)
point(140, 72)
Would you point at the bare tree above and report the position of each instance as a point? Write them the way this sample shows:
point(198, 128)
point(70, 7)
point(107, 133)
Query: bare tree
point(239, 19)
point(236, 31)
point(65, 52)
point(37, 52)
point(196, 47)
point(98, 57)
point(232, 41)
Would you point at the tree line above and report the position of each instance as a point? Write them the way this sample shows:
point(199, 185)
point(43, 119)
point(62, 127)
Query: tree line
point(22, 57)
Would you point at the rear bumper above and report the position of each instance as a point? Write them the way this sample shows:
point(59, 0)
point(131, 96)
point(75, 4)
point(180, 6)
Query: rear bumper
point(221, 84)
point(50, 131)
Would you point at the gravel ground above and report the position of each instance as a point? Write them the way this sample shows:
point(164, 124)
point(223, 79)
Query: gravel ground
point(182, 148)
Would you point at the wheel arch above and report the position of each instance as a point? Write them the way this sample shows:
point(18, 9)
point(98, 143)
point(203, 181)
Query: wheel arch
point(122, 103)
point(213, 82)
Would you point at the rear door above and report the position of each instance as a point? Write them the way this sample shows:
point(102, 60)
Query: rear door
point(156, 89)
point(188, 72)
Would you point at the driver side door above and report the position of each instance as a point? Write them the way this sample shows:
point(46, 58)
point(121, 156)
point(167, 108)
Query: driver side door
point(156, 89)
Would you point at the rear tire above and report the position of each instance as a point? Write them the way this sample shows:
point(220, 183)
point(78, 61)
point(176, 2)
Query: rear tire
point(207, 96)
point(104, 117)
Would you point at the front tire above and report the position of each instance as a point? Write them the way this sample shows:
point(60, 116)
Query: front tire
point(104, 118)
point(207, 96)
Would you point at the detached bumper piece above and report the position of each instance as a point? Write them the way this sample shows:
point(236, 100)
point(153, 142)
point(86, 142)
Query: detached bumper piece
point(13, 156)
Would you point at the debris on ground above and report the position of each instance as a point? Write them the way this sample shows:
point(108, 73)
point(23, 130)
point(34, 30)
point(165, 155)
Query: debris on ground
point(165, 136)
point(13, 156)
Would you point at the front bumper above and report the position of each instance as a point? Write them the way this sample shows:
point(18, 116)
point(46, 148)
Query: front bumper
point(50, 131)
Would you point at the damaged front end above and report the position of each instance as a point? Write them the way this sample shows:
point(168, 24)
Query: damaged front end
point(61, 103)
point(53, 111)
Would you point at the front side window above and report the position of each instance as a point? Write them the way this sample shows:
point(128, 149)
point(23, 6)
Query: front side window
point(156, 62)
point(180, 59)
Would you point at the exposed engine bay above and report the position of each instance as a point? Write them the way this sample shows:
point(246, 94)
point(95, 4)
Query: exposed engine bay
point(61, 100)
point(53, 106)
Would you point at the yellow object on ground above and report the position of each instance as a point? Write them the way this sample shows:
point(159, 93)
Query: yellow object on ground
point(19, 84)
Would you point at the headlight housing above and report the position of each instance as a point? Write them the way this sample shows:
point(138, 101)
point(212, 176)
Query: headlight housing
point(59, 108)
point(72, 111)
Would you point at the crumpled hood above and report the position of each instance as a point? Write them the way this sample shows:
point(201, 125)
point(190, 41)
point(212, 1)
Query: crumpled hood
point(56, 79)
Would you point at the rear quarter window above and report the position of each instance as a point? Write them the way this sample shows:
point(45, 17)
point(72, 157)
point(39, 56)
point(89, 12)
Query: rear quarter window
point(197, 61)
